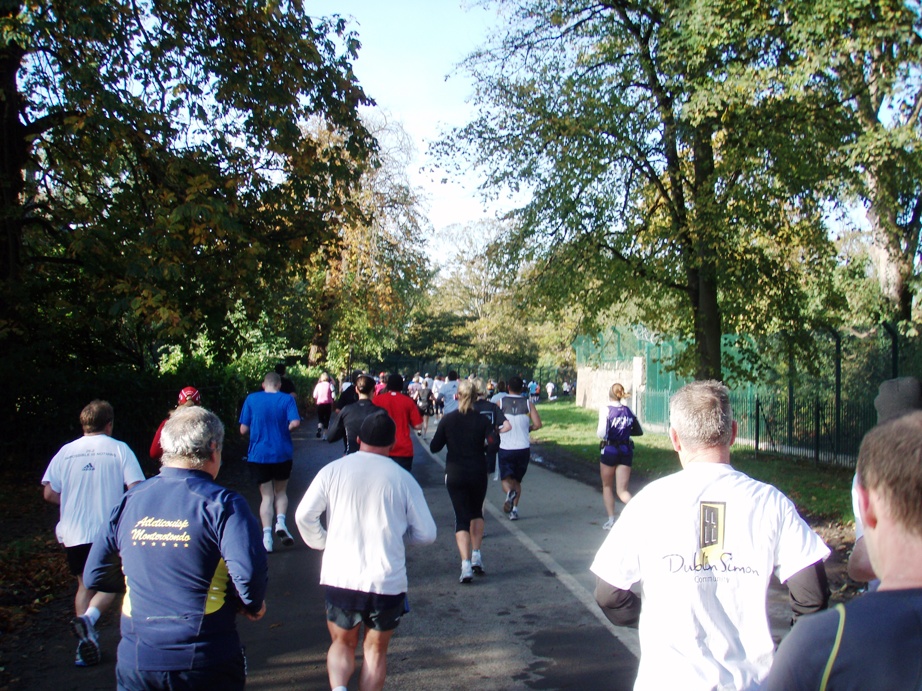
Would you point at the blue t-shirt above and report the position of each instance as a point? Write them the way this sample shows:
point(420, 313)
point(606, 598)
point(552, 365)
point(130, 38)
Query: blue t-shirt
point(267, 415)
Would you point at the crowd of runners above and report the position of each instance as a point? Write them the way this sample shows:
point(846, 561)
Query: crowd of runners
point(688, 559)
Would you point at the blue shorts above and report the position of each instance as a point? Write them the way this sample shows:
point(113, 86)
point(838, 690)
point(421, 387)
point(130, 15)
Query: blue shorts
point(513, 463)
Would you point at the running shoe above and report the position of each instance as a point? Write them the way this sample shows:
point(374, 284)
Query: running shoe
point(267, 540)
point(281, 532)
point(467, 573)
point(88, 647)
point(609, 523)
point(514, 514)
point(510, 497)
point(477, 565)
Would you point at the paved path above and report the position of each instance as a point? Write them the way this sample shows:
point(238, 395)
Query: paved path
point(530, 623)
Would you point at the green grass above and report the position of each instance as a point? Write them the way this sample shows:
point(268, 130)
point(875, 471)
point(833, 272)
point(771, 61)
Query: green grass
point(820, 492)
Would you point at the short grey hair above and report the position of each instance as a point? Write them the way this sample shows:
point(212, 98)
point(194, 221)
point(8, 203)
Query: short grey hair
point(701, 415)
point(190, 436)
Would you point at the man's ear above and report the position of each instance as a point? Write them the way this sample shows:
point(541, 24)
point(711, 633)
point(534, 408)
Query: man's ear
point(674, 437)
point(867, 508)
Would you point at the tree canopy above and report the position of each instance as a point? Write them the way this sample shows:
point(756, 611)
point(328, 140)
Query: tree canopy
point(706, 215)
point(162, 167)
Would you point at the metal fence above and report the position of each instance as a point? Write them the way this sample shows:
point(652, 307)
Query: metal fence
point(819, 410)
point(825, 430)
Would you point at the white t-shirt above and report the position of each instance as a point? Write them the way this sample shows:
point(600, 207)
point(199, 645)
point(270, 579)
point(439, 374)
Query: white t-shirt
point(90, 474)
point(699, 547)
point(518, 437)
point(448, 391)
point(372, 505)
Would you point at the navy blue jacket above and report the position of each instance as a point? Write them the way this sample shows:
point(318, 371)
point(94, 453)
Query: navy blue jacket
point(192, 554)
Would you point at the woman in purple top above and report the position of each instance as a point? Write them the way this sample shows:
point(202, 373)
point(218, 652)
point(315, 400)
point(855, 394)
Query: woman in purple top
point(617, 424)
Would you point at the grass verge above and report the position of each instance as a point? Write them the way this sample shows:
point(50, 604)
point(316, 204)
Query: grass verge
point(818, 491)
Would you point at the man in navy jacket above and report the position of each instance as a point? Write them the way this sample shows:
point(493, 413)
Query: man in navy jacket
point(192, 555)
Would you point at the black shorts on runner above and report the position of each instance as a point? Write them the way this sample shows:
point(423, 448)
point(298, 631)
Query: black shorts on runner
point(262, 473)
point(76, 558)
point(349, 608)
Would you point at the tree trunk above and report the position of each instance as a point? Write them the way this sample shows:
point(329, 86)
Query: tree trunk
point(13, 158)
point(704, 278)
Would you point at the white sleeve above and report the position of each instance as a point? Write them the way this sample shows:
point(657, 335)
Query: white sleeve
point(603, 423)
point(307, 515)
point(131, 469)
point(421, 528)
point(618, 560)
point(798, 545)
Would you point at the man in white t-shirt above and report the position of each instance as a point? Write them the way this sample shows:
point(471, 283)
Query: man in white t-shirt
point(87, 478)
point(447, 393)
point(373, 508)
point(692, 554)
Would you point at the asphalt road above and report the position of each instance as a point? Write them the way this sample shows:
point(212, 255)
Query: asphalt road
point(530, 623)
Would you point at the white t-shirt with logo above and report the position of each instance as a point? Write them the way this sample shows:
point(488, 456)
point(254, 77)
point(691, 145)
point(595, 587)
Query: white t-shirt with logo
point(448, 391)
point(699, 547)
point(90, 474)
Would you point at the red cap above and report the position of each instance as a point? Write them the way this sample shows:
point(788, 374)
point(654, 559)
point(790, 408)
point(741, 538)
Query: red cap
point(190, 393)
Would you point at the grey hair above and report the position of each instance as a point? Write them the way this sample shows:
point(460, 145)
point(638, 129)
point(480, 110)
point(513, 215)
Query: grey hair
point(701, 415)
point(190, 436)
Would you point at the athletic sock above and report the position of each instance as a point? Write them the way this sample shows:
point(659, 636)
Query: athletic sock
point(340, 688)
point(267, 530)
point(280, 520)
point(92, 614)
point(475, 555)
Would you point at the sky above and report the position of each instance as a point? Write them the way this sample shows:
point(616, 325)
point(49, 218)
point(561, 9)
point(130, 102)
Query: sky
point(410, 49)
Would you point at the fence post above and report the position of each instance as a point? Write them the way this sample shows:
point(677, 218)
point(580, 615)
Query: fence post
point(894, 349)
point(816, 431)
point(757, 426)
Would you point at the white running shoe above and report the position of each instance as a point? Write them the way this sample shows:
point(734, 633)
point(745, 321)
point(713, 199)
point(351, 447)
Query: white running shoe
point(281, 532)
point(467, 572)
point(88, 647)
point(514, 514)
point(267, 540)
point(609, 523)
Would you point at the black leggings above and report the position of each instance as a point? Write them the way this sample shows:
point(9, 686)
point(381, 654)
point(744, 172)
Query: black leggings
point(467, 495)
point(324, 411)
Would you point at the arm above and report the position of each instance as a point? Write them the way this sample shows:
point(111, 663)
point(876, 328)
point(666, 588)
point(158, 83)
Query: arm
point(601, 430)
point(307, 515)
point(859, 563)
point(505, 427)
point(438, 439)
point(244, 430)
point(50, 495)
point(294, 417)
point(621, 607)
point(535, 418)
point(294, 424)
point(420, 525)
point(809, 590)
point(337, 428)
point(246, 558)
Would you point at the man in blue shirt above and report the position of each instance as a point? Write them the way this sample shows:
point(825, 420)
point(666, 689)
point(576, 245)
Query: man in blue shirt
point(269, 416)
point(192, 559)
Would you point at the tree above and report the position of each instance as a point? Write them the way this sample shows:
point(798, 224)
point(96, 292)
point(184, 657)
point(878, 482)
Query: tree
point(704, 218)
point(856, 67)
point(366, 281)
point(155, 167)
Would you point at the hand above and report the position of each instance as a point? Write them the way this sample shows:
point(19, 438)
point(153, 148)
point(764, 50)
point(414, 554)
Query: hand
point(258, 615)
